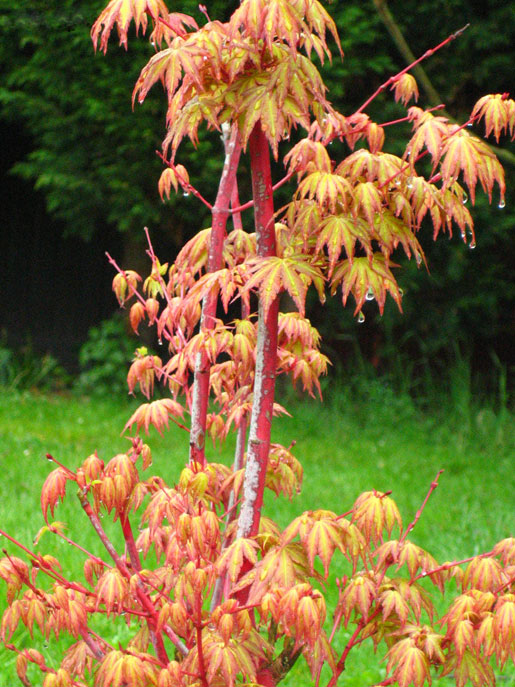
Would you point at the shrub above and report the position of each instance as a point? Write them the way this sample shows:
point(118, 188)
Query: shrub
point(212, 591)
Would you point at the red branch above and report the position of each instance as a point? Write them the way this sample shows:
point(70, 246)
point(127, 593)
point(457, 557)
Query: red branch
point(250, 203)
point(220, 214)
point(188, 188)
point(353, 640)
point(412, 524)
point(395, 77)
point(266, 348)
point(448, 566)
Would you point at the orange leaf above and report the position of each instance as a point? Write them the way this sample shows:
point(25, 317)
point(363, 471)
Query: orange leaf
point(121, 12)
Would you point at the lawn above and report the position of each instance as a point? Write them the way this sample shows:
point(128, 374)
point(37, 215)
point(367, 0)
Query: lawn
point(364, 437)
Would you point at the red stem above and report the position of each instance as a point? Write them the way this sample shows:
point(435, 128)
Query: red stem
point(201, 662)
point(97, 526)
point(266, 348)
point(184, 184)
point(129, 541)
point(220, 214)
point(250, 203)
point(448, 566)
point(92, 644)
point(394, 78)
point(412, 524)
point(340, 666)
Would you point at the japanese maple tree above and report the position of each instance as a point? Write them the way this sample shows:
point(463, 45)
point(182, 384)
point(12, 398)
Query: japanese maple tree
point(213, 591)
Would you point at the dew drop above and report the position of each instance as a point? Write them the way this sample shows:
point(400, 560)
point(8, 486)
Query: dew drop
point(409, 183)
point(370, 295)
point(469, 125)
point(397, 181)
point(401, 291)
point(361, 318)
point(160, 342)
point(472, 244)
point(418, 258)
point(502, 204)
point(185, 194)
point(465, 198)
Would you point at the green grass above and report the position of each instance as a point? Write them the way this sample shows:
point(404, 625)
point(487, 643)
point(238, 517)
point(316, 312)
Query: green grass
point(363, 437)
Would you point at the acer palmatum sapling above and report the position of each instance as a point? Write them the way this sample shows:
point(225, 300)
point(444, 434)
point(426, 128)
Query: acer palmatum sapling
point(214, 593)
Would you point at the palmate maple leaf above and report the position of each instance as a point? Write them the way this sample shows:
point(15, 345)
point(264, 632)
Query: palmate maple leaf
point(269, 20)
point(294, 274)
point(498, 112)
point(121, 12)
point(409, 664)
point(468, 155)
point(366, 278)
point(156, 413)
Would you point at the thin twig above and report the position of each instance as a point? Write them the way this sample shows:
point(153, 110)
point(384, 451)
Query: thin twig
point(412, 524)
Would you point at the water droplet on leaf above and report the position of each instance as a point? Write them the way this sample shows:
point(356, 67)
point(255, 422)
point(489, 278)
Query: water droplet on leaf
point(418, 258)
point(361, 318)
point(186, 194)
point(370, 295)
point(160, 342)
point(502, 204)
point(472, 244)
point(409, 183)
point(469, 124)
point(465, 198)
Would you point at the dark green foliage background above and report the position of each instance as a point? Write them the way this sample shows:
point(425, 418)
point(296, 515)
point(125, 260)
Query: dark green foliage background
point(69, 131)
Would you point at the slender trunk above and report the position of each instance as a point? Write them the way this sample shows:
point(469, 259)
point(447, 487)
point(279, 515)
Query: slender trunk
point(220, 213)
point(266, 351)
point(241, 438)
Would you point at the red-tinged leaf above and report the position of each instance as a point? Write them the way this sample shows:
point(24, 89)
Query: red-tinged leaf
point(121, 12)
point(469, 668)
point(327, 189)
point(405, 88)
point(323, 538)
point(504, 622)
point(273, 274)
point(156, 413)
point(112, 589)
point(366, 279)
point(367, 200)
point(125, 284)
point(506, 550)
point(484, 574)
point(495, 110)
point(173, 176)
point(359, 594)
point(375, 137)
point(232, 559)
point(21, 669)
point(343, 230)
point(53, 489)
point(391, 231)
point(409, 664)
point(468, 155)
point(167, 66)
point(193, 255)
point(431, 132)
point(283, 566)
point(373, 511)
point(392, 602)
point(308, 156)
